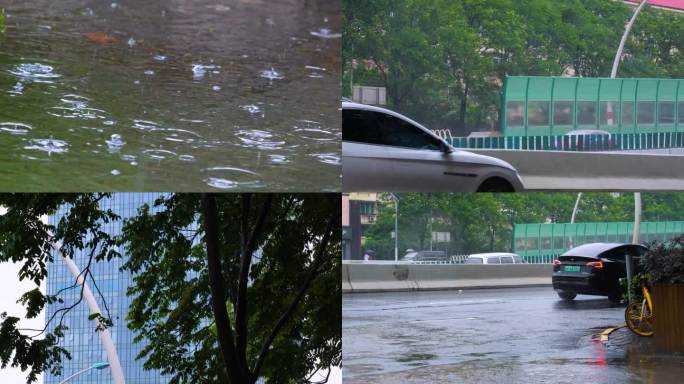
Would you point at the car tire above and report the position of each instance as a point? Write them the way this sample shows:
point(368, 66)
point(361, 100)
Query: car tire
point(567, 295)
point(495, 184)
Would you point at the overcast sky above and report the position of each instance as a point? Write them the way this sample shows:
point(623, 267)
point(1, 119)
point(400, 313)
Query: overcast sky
point(11, 290)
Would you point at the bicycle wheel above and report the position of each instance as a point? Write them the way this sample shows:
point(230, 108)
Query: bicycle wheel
point(639, 322)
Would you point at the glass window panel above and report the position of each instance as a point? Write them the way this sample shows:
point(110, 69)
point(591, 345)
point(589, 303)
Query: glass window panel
point(515, 113)
point(558, 242)
point(538, 113)
point(666, 111)
point(609, 111)
point(562, 113)
point(586, 113)
point(645, 112)
point(681, 111)
point(519, 244)
point(627, 113)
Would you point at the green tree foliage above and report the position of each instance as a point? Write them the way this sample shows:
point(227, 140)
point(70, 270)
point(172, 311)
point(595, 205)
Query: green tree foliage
point(483, 222)
point(226, 286)
point(443, 62)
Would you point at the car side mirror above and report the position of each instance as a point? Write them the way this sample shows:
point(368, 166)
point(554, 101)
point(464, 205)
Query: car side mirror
point(444, 147)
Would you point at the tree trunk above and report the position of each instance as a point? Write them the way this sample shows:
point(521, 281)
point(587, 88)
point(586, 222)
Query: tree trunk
point(236, 373)
point(491, 239)
point(463, 110)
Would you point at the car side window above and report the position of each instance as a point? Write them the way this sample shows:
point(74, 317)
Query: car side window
point(379, 128)
point(494, 260)
point(359, 126)
point(399, 133)
point(506, 260)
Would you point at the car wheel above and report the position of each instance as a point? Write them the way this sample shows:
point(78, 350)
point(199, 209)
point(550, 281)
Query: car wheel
point(495, 184)
point(567, 295)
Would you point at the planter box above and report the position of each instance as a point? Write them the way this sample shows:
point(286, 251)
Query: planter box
point(668, 316)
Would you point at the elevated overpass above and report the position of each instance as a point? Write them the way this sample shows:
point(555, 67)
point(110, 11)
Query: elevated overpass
point(637, 170)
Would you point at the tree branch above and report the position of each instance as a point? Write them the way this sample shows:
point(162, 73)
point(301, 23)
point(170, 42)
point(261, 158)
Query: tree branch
point(318, 259)
point(64, 310)
point(249, 241)
point(218, 295)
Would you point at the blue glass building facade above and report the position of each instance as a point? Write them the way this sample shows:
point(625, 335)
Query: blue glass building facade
point(81, 339)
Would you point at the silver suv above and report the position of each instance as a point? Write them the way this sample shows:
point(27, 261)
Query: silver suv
point(386, 152)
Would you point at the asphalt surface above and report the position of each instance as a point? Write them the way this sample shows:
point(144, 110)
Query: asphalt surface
point(520, 335)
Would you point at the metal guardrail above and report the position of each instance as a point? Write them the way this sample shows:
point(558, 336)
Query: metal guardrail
point(590, 143)
point(454, 260)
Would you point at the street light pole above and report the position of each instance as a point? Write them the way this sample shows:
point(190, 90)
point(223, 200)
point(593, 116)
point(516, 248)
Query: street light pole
point(396, 227)
point(574, 210)
point(637, 195)
point(101, 365)
point(628, 28)
point(574, 213)
point(105, 334)
point(637, 219)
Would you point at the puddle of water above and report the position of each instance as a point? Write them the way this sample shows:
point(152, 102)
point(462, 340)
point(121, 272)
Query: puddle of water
point(48, 145)
point(412, 357)
point(160, 92)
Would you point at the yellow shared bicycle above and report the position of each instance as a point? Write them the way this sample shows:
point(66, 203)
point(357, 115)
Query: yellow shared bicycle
point(639, 316)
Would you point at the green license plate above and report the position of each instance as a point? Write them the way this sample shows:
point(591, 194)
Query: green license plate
point(571, 268)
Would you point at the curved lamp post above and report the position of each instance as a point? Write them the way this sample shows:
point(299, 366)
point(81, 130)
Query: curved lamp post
point(101, 365)
point(637, 195)
point(105, 334)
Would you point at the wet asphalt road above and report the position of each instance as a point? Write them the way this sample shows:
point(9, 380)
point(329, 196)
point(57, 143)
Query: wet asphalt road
point(523, 335)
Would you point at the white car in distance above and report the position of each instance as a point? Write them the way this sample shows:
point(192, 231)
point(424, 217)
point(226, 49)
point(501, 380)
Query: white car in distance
point(383, 151)
point(494, 258)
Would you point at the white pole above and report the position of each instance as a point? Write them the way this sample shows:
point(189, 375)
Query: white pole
point(637, 218)
point(105, 335)
point(618, 56)
point(396, 228)
point(574, 210)
point(628, 28)
point(572, 218)
point(637, 195)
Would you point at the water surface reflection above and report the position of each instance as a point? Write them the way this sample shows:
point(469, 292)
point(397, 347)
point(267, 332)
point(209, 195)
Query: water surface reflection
point(170, 95)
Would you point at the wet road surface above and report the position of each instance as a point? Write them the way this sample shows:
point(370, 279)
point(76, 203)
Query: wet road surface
point(180, 95)
point(523, 335)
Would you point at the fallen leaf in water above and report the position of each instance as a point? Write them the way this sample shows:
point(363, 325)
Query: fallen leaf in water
point(100, 37)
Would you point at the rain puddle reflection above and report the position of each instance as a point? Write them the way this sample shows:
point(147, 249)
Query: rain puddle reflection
point(160, 95)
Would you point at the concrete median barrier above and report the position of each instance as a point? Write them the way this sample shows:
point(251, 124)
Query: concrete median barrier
point(594, 171)
point(387, 277)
